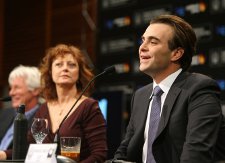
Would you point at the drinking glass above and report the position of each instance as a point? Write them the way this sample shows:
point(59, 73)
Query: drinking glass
point(70, 147)
point(39, 129)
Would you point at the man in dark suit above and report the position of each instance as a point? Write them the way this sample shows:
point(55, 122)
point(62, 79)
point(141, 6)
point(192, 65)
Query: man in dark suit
point(190, 118)
point(24, 84)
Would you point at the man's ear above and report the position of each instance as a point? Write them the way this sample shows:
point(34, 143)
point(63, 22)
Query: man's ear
point(36, 91)
point(177, 54)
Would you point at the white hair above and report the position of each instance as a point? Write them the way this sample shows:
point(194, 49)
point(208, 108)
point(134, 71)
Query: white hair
point(31, 74)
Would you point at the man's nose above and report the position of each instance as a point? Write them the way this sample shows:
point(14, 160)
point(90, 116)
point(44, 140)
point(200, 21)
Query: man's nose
point(11, 91)
point(143, 46)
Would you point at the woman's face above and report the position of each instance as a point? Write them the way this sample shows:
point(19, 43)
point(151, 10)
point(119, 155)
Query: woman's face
point(65, 70)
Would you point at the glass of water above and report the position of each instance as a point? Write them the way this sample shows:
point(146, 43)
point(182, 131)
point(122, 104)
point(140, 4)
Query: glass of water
point(39, 129)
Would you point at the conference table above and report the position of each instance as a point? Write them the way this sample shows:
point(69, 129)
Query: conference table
point(60, 159)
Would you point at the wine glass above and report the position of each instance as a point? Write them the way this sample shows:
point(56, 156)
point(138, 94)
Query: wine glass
point(39, 129)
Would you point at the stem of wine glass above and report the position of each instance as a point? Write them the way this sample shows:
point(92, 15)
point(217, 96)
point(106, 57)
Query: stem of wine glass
point(39, 137)
point(39, 142)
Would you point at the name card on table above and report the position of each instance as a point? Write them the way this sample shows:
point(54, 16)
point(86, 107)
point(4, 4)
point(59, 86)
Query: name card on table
point(41, 153)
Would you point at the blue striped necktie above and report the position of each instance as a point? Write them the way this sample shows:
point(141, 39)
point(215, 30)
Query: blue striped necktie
point(154, 121)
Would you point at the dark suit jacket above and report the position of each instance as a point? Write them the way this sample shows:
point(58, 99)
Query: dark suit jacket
point(6, 120)
point(189, 124)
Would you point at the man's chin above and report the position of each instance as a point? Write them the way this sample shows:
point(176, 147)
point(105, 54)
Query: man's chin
point(143, 68)
point(15, 105)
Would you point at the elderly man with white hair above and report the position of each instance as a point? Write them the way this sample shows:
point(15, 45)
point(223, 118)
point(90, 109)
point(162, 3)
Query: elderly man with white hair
point(24, 82)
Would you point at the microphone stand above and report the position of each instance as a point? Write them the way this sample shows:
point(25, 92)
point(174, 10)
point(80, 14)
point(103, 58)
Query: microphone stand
point(56, 138)
point(6, 99)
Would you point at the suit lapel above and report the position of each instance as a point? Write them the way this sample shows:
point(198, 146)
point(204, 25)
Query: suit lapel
point(169, 102)
point(145, 105)
point(167, 107)
point(143, 102)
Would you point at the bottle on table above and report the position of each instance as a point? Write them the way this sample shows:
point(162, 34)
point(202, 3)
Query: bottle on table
point(20, 144)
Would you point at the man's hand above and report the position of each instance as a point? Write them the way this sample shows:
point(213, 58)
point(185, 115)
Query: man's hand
point(3, 155)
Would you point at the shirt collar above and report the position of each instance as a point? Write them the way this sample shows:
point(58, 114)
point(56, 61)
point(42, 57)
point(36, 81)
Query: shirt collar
point(167, 82)
point(31, 112)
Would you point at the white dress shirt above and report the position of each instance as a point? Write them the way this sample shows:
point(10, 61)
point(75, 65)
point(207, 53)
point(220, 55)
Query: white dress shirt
point(165, 86)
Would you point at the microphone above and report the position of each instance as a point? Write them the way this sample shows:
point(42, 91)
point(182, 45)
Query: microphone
point(107, 70)
point(6, 99)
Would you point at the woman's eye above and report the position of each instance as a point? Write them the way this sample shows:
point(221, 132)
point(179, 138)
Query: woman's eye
point(58, 64)
point(72, 64)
